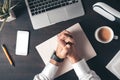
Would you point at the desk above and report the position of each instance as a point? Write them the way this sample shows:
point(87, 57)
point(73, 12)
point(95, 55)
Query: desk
point(26, 67)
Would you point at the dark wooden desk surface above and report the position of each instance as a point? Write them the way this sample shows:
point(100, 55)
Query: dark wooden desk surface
point(26, 67)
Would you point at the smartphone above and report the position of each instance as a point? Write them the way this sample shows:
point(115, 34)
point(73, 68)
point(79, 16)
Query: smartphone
point(22, 43)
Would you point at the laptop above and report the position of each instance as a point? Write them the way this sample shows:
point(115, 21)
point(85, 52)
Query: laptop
point(47, 12)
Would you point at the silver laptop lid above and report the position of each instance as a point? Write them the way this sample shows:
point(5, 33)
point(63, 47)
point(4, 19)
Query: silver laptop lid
point(53, 11)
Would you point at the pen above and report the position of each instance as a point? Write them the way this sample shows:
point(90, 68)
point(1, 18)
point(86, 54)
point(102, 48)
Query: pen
point(7, 55)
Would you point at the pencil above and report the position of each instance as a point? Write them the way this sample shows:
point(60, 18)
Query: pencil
point(7, 55)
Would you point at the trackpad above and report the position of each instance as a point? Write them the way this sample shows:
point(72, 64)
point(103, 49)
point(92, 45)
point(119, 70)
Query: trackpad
point(57, 15)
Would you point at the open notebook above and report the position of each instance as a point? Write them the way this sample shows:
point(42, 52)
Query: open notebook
point(47, 48)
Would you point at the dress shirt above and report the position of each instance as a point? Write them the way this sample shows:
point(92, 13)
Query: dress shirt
point(81, 69)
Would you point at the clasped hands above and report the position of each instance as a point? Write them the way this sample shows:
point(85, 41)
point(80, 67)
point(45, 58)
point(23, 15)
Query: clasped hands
point(66, 48)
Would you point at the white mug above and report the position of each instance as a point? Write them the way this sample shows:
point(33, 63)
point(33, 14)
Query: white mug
point(105, 34)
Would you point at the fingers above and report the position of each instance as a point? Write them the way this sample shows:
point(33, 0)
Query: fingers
point(65, 40)
point(61, 42)
point(65, 37)
point(62, 52)
point(64, 32)
point(66, 49)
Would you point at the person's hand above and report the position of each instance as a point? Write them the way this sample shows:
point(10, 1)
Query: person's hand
point(63, 48)
point(74, 56)
point(67, 47)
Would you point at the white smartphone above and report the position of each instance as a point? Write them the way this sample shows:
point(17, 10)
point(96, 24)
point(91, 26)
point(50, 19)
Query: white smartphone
point(22, 43)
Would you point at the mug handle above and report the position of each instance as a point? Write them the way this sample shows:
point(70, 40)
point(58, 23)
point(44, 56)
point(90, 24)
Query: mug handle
point(115, 37)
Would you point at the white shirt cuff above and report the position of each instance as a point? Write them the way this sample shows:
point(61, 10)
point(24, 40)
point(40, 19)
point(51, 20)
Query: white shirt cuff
point(50, 70)
point(81, 68)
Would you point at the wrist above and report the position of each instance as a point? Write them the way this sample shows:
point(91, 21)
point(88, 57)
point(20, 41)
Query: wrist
point(56, 58)
point(54, 62)
point(74, 60)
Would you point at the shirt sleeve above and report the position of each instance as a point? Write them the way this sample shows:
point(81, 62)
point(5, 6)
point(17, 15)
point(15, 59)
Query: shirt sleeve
point(83, 71)
point(48, 73)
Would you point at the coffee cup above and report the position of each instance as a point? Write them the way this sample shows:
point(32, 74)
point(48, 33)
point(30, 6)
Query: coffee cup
point(105, 34)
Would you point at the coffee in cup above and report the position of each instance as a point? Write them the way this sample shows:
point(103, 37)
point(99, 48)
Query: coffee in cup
point(104, 34)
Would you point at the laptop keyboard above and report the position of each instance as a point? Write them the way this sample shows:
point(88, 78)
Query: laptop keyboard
point(40, 6)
